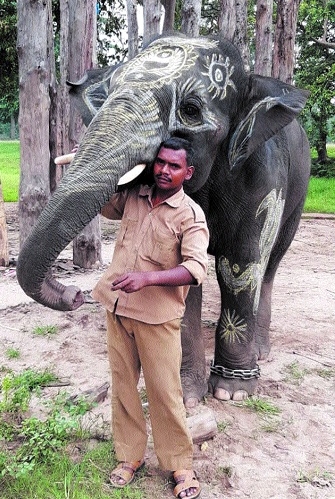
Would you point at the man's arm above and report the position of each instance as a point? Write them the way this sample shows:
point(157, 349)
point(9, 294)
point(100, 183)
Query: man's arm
point(134, 281)
point(113, 209)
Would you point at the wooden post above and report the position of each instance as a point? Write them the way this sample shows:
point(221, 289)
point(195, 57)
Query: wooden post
point(4, 255)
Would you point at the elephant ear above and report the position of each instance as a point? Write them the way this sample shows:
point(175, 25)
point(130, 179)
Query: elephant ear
point(273, 104)
point(91, 91)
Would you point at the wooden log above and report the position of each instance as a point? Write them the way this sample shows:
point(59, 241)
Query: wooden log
point(93, 395)
point(4, 253)
point(202, 426)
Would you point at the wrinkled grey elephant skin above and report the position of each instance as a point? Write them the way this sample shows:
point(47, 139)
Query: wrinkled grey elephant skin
point(251, 174)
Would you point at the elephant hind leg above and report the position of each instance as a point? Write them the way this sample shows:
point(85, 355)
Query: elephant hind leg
point(263, 320)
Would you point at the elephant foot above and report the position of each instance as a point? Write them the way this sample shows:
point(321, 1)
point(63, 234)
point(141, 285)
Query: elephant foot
point(194, 389)
point(262, 351)
point(231, 389)
point(238, 396)
point(262, 343)
point(191, 402)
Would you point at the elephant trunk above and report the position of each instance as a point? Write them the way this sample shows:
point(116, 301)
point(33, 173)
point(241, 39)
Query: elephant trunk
point(111, 147)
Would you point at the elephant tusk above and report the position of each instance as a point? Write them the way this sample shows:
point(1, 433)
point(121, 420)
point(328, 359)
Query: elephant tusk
point(132, 174)
point(65, 159)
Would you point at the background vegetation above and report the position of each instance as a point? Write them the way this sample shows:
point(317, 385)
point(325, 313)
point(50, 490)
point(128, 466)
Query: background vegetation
point(320, 198)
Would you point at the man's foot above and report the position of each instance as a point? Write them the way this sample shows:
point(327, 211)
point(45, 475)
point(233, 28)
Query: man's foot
point(124, 473)
point(187, 484)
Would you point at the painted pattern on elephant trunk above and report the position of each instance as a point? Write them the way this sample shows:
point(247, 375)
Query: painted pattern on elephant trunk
point(232, 327)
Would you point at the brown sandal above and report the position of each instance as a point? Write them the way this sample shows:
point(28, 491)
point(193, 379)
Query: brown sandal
point(125, 472)
point(186, 479)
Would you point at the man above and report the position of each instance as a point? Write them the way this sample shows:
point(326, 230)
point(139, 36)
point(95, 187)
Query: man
point(160, 251)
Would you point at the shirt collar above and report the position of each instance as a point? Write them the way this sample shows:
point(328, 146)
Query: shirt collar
point(173, 201)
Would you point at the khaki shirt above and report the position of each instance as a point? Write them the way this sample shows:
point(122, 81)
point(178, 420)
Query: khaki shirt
point(172, 233)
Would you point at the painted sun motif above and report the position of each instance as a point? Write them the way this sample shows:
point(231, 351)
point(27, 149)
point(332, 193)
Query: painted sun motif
point(219, 71)
point(232, 327)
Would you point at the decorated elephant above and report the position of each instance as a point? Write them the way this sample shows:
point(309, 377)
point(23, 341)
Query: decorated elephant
point(251, 175)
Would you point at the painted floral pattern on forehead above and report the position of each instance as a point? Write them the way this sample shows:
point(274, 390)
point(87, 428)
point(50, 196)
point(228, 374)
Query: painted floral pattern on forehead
point(162, 62)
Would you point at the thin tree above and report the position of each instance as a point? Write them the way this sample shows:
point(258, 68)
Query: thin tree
point(35, 75)
point(284, 40)
point(264, 37)
point(191, 16)
point(240, 39)
point(132, 28)
point(233, 26)
point(80, 55)
point(227, 19)
point(169, 7)
point(151, 19)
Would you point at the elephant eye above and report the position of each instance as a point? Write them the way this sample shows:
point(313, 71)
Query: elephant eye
point(190, 113)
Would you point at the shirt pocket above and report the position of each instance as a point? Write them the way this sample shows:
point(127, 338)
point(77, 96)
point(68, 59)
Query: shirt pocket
point(165, 250)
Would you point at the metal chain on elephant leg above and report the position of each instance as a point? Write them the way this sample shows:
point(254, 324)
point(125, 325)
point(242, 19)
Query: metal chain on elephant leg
point(227, 373)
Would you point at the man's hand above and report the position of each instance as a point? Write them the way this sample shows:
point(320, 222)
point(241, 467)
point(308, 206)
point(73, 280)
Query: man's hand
point(134, 281)
point(131, 282)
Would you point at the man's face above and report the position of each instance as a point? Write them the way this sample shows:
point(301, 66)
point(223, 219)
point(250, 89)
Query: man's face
point(171, 169)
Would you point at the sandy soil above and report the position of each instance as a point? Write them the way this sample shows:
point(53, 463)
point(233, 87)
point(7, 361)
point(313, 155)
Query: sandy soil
point(286, 456)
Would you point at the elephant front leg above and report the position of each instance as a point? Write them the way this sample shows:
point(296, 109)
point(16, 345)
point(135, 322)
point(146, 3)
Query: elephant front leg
point(193, 369)
point(234, 371)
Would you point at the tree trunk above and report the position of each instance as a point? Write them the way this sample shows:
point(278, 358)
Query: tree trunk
point(191, 16)
point(169, 6)
point(34, 19)
point(320, 119)
point(56, 139)
point(81, 57)
point(284, 40)
point(240, 39)
point(12, 126)
point(264, 36)
point(151, 19)
point(227, 19)
point(132, 28)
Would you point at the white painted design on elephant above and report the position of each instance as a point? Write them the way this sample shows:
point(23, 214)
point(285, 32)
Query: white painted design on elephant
point(238, 146)
point(219, 71)
point(159, 65)
point(232, 327)
point(199, 43)
point(251, 278)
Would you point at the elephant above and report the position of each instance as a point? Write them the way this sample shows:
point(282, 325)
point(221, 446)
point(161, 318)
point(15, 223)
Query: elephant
point(252, 167)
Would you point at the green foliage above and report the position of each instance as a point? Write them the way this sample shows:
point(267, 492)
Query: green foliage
point(41, 440)
point(9, 72)
point(12, 353)
point(111, 20)
point(47, 330)
point(16, 389)
point(295, 373)
point(64, 478)
point(261, 406)
point(320, 196)
point(10, 169)
point(324, 169)
point(316, 71)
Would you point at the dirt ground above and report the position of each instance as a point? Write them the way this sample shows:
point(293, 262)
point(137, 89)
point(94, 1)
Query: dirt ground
point(285, 456)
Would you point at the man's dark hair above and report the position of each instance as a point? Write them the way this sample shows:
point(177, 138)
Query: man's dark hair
point(177, 143)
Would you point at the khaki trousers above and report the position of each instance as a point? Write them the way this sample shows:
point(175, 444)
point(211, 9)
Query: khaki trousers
point(157, 349)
